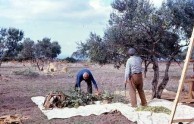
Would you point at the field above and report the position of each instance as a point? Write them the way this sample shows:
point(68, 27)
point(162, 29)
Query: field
point(16, 89)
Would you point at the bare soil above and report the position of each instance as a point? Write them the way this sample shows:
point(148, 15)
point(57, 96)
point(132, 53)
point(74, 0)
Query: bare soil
point(16, 90)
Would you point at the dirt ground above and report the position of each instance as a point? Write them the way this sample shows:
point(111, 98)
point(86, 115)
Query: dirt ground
point(16, 90)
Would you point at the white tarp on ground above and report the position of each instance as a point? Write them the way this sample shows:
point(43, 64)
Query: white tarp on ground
point(143, 117)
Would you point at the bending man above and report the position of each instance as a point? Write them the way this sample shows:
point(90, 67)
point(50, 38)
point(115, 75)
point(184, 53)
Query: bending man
point(87, 76)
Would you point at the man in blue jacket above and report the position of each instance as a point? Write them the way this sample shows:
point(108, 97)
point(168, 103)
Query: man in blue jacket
point(87, 76)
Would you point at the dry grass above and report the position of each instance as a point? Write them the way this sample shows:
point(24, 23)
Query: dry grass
point(155, 109)
point(27, 72)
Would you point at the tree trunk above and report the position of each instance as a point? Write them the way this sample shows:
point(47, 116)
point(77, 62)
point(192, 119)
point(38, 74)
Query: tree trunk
point(146, 64)
point(155, 79)
point(164, 81)
point(39, 64)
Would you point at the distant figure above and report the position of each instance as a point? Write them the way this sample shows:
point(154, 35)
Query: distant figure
point(133, 76)
point(87, 76)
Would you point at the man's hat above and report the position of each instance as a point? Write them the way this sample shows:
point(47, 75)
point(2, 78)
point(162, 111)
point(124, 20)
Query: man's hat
point(131, 51)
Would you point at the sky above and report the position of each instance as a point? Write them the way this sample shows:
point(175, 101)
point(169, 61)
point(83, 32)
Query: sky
point(65, 21)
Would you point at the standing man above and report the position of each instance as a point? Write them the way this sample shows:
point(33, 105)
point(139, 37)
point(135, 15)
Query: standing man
point(133, 76)
point(87, 76)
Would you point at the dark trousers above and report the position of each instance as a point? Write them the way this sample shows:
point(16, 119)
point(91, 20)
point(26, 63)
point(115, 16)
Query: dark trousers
point(136, 83)
point(89, 86)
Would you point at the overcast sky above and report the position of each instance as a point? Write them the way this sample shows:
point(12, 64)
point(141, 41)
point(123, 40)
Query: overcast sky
point(65, 21)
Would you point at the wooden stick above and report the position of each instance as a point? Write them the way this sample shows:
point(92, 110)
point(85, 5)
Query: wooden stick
point(190, 80)
point(182, 120)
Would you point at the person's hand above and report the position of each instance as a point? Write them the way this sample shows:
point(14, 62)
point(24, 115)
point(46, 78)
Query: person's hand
point(97, 93)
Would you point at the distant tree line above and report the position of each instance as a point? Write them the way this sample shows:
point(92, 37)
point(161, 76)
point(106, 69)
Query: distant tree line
point(156, 33)
point(13, 46)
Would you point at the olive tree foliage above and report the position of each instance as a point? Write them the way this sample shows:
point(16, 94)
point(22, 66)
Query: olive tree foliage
point(45, 51)
point(154, 32)
point(28, 49)
point(143, 29)
point(82, 51)
point(14, 36)
point(94, 49)
point(180, 17)
point(12, 47)
point(10, 43)
point(2, 44)
point(97, 51)
point(181, 14)
point(56, 49)
point(40, 53)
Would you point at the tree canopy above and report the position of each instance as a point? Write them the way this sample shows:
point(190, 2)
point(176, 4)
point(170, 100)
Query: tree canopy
point(12, 46)
point(10, 42)
point(156, 33)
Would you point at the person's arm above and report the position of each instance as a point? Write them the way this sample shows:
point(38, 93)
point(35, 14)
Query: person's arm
point(78, 81)
point(127, 71)
point(94, 82)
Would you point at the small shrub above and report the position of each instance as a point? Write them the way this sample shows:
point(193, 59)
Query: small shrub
point(26, 72)
point(70, 60)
